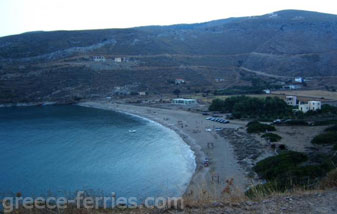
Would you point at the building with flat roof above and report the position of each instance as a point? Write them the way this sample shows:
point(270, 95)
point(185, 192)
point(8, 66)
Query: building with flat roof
point(315, 105)
point(184, 101)
point(179, 81)
point(303, 107)
point(291, 100)
point(310, 106)
point(99, 58)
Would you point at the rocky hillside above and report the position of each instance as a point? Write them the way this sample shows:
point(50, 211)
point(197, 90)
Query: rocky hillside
point(48, 65)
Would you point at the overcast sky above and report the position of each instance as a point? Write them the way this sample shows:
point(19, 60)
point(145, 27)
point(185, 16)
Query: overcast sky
point(18, 16)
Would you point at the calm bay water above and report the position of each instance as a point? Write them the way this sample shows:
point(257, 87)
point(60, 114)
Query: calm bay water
point(63, 149)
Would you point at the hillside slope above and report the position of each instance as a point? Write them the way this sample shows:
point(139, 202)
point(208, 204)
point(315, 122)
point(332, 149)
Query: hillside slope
point(45, 65)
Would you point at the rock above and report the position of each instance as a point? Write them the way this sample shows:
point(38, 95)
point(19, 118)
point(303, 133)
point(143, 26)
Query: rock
point(217, 204)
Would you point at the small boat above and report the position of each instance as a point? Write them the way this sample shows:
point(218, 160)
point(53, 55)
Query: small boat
point(132, 131)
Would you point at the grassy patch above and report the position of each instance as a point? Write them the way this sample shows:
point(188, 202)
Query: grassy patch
point(256, 127)
point(272, 137)
point(325, 138)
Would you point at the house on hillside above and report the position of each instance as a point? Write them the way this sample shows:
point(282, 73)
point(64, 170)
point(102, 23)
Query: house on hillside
point(99, 58)
point(310, 106)
point(303, 107)
point(118, 59)
point(315, 105)
point(179, 81)
point(292, 87)
point(299, 79)
point(267, 91)
point(121, 59)
point(219, 79)
point(291, 100)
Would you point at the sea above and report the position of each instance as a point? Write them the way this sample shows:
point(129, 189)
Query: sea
point(59, 150)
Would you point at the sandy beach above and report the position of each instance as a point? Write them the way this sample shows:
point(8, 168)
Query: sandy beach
point(202, 138)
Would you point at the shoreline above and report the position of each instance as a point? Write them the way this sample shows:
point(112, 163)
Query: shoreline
point(191, 129)
point(196, 150)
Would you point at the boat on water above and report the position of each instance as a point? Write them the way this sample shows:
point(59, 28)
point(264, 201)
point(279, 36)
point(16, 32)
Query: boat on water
point(132, 131)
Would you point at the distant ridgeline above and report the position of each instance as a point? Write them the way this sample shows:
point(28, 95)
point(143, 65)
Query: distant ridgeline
point(217, 55)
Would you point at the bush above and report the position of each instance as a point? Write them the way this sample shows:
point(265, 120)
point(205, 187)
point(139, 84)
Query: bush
point(325, 138)
point(276, 167)
point(217, 105)
point(272, 137)
point(332, 129)
point(252, 107)
point(325, 122)
point(256, 127)
point(330, 180)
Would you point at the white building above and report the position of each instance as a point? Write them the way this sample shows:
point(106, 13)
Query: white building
point(179, 81)
point(292, 87)
point(99, 58)
point(315, 105)
point(291, 100)
point(267, 91)
point(219, 80)
point(118, 59)
point(142, 93)
point(184, 101)
point(303, 107)
point(299, 79)
point(310, 106)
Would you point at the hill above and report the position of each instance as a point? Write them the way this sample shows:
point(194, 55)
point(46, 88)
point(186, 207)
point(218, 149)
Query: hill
point(50, 65)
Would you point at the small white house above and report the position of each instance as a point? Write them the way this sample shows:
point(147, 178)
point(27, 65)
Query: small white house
point(142, 93)
point(118, 59)
point(267, 91)
point(310, 106)
point(219, 80)
point(303, 107)
point(99, 58)
point(291, 100)
point(292, 87)
point(299, 79)
point(179, 81)
point(184, 101)
point(315, 105)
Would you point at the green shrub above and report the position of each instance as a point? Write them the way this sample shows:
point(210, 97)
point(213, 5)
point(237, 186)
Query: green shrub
point(272, 137)
point(332, 129)
point(253, 122)
point(252, 107)
point(330, 180)
point(325, 138)
point(256, 127)
point(217, 105)
point(274, 167)
point(325, 122)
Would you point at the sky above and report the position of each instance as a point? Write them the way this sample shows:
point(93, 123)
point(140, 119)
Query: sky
point(18, 16)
